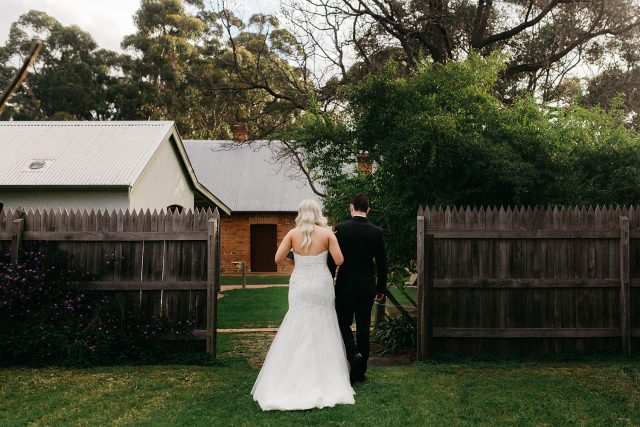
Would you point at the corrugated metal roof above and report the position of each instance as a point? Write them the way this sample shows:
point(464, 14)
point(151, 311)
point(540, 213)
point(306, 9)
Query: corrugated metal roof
point(247, 177)
point(79, 152)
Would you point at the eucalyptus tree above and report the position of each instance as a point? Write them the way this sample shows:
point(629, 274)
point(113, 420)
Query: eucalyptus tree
point(70, 77)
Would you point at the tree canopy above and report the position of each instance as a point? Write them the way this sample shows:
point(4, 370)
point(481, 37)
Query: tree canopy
point(442, 137)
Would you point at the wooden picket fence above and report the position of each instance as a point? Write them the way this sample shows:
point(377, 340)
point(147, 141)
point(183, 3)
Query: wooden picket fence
point(166, 263)
point(528, 279)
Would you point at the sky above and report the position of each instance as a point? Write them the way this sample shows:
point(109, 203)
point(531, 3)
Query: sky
point(108, 21)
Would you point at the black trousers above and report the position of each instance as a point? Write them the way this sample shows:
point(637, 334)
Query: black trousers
point(358, 306)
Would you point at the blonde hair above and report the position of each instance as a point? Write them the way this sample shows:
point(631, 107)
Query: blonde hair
point(309, 213)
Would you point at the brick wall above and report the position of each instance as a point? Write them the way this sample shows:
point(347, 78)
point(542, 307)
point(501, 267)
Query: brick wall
point(235, 243)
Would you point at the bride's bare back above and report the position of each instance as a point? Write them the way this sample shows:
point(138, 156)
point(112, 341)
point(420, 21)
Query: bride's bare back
point(322, 239)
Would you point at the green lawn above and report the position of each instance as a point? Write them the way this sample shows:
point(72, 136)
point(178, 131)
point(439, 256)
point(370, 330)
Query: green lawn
point(264, 307)
point(598, 392)
point(252, 308)
point(595, 391)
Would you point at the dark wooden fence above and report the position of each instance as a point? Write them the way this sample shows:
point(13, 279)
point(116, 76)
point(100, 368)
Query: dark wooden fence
point(528, 280)
point(167, 263)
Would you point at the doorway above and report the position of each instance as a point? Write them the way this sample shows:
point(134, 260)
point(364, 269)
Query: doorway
point(264, 240)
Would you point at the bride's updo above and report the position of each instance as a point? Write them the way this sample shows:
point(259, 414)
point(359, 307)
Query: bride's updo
point(309, 213)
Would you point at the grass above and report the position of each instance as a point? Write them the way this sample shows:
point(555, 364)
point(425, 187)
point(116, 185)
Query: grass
point(597, 392)
point(255, 280)
point(252, 308)
point(265, 307)
point(455, 391)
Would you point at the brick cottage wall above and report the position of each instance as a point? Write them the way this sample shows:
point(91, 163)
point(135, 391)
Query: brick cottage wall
point(235, 241)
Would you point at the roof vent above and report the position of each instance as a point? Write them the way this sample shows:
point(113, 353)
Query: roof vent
point(37, 164)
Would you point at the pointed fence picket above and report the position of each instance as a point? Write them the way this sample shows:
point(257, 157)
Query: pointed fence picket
point(167, 263)
point(528, 279)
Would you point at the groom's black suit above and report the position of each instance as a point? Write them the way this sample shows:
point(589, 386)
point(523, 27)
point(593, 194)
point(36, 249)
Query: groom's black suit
point(361, 243)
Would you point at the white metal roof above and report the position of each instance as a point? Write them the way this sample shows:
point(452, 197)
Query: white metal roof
point(78, 152)
point(247, 177)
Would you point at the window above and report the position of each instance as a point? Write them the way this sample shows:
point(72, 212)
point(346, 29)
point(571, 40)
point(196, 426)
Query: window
point(172, 208)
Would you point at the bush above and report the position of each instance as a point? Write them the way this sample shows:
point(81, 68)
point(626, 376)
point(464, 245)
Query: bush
point(43, 319)
point(394, 333)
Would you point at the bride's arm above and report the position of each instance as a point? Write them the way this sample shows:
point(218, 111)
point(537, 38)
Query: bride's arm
point(334, 249)
point(284, 248)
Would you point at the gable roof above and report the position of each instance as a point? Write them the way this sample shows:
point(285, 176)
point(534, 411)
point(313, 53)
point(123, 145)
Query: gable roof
point(247, 176)
point(86, 153)
point(81, 153)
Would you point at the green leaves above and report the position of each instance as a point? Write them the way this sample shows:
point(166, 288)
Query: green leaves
point(441, 137)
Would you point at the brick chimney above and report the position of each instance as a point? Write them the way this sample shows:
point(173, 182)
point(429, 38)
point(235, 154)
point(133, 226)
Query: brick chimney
point(364, 164)
point(240, 131)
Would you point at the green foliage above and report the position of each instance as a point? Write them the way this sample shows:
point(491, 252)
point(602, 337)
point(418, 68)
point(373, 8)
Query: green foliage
point(188, 61)
point(441, 137)
point(395, 333)
point(70, 76)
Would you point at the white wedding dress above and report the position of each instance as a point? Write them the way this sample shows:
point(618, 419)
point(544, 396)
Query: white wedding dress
point(306, 366)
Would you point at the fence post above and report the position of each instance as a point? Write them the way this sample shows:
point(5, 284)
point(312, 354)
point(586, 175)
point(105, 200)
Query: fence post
point(420, 280)
point(429, 244)
point(625, 306)
point(16, 239)
point(213, 280)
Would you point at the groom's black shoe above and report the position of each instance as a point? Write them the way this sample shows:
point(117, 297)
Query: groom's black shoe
point(358, 366)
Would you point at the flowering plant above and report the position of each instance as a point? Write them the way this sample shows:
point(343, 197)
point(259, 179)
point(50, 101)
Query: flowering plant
point(44, 318)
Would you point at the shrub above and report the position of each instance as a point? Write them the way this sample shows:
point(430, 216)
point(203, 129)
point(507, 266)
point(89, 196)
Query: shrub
point(44, 319)
point(394, 333)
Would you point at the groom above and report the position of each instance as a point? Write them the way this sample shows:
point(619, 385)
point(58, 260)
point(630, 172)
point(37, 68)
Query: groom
point(361, 243)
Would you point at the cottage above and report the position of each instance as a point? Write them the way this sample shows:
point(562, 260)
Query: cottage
point(262, 193)
point(97, 165)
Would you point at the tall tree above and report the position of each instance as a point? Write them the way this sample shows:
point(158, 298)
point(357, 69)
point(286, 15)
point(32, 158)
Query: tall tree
point(266, 71)
point(205, 68)
point(70, 77)
point(164, 49)
point(544, 39)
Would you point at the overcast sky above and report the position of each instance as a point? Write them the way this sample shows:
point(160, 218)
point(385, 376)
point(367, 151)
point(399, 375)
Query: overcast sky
point(108, 21)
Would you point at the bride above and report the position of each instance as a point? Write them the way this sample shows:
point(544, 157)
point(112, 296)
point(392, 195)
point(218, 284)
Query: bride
point(306, 366)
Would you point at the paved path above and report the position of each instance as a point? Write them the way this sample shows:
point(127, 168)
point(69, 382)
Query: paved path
point(250, 330)
point(229, 287)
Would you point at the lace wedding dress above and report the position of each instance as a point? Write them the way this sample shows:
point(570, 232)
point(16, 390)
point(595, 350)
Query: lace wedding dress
point(306, 366)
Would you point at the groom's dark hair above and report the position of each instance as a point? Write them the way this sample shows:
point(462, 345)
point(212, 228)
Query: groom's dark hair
point(360, 202)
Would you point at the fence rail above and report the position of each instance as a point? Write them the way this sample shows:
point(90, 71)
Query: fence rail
point(527, 279)
point(166, 263)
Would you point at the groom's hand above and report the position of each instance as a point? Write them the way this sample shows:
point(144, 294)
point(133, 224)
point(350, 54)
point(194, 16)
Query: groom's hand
point(380, 298)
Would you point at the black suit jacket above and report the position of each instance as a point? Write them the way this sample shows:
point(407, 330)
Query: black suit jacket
point(361, 243)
